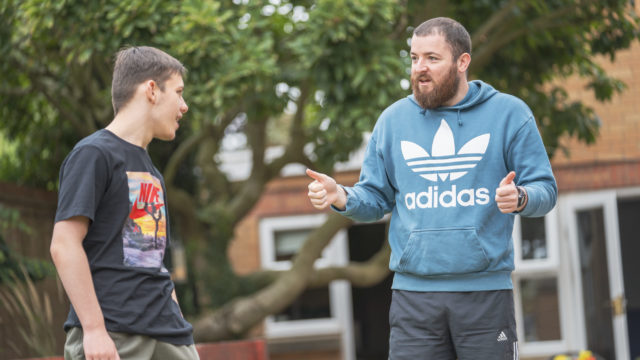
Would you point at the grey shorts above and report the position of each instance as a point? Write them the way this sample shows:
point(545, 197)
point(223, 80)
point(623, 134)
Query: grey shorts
point(131, 347)
point(449, 325)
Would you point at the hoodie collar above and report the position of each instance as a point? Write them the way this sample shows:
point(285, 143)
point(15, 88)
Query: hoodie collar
point(478, 93)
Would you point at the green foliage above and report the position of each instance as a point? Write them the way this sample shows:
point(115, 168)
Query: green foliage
point(342, 55)
point(31, 310)
point(12, 264)
point(18, 295)
point(535, 42)
point(57, 71)
point(355, 67)
point(311, 76)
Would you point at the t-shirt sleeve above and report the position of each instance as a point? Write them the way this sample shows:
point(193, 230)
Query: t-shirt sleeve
point(83, 181)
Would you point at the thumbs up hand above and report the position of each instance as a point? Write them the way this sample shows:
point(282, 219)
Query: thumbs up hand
point(507, 194)
point(324, 191)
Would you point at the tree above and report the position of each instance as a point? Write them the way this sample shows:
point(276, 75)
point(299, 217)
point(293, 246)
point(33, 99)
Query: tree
point(311, 76)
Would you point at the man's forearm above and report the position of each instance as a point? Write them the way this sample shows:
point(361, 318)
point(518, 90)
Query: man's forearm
point(73, 268)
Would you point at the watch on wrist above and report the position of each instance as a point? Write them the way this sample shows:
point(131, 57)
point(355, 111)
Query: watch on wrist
point(522, 197)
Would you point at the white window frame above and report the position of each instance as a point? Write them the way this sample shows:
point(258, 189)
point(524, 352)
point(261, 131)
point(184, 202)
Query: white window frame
point(336, 253)
point(548, 267)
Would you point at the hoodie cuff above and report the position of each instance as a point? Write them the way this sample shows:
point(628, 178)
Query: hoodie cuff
point(533, 202)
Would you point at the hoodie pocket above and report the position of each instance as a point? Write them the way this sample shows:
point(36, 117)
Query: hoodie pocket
point(443, 252)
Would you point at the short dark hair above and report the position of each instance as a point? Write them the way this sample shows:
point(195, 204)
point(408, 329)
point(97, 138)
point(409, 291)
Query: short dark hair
point(137, 64)
point(454, 33)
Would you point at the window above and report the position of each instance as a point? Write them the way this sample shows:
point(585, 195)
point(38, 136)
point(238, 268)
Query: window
point(540, 309)
point(319, 312)
point(534, 238)
point(536, 285)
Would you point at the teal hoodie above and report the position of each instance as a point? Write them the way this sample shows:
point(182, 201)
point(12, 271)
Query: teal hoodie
point(437, 172)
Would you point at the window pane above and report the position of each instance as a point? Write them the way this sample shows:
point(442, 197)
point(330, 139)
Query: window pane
point(311, 304)
point(540, 309)
point(592, 243)
point(534, 238)
point(289, 242)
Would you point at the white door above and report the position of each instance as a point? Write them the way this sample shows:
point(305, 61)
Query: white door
point(591, 221)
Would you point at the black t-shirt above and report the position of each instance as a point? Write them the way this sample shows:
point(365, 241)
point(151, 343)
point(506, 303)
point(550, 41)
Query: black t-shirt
point(115, 185)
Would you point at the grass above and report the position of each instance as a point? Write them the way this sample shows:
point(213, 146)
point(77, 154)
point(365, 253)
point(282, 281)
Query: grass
point(31, 312)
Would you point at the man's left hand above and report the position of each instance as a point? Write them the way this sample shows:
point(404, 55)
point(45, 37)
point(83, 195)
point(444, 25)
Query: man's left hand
point(507, 194)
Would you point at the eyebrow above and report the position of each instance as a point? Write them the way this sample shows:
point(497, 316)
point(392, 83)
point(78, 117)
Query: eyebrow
point(426, 53)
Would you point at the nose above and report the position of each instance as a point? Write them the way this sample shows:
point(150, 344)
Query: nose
point(420, 66)
point(184, 107)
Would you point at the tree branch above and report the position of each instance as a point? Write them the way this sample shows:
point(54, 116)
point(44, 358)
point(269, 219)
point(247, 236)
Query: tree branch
point(480, 35)
point(56, 103)
point(182, 203)
point(484, 54)
point(237, 317)
point(180, 154)
point(251, 189)
point(294, 151)
point(14, 92)
point(210, 145)
point(362, 274)
point(401, 27)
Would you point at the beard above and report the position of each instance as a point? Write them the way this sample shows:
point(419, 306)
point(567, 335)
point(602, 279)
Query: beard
point(440, 94)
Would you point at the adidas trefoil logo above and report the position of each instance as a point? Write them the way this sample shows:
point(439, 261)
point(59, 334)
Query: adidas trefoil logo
point(502, 337)
point(444, 162)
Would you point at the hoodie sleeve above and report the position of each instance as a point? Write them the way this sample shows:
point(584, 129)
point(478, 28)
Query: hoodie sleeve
point(373, 196)
point(527, 157)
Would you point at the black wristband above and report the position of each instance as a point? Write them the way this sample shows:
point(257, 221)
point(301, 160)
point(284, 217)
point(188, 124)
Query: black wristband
point(522, 197)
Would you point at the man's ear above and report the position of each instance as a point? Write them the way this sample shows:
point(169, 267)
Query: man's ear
point(150, 90)
point(463, 62)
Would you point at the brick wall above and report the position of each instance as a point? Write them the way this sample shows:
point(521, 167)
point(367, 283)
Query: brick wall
point(597, 175)
point(619, 138)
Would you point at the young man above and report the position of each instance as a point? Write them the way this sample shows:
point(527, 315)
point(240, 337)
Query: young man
point(453, 163)
point(112, 225)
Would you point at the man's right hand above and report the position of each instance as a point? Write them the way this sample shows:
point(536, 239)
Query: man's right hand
point(98, 345)
point(324, 191)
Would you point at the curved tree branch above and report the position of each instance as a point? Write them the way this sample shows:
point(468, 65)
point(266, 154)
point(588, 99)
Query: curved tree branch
point(261, 173)
point(294, 151)
point(239, 316)
point(251, 189)
point(483, 56)
point(180, 154)
point(55, 101)
point(183, 206)
point(499, 17)
point(401, 27)
point(363, 274)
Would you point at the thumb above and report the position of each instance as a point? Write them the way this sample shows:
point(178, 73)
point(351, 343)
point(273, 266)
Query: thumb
point(508, 179)
point(315, 175)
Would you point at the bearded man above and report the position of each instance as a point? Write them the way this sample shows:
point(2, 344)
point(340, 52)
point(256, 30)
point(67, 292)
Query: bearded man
point(453, 163)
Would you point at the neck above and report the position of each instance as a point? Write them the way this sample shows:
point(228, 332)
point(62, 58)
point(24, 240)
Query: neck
point(130, 126)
